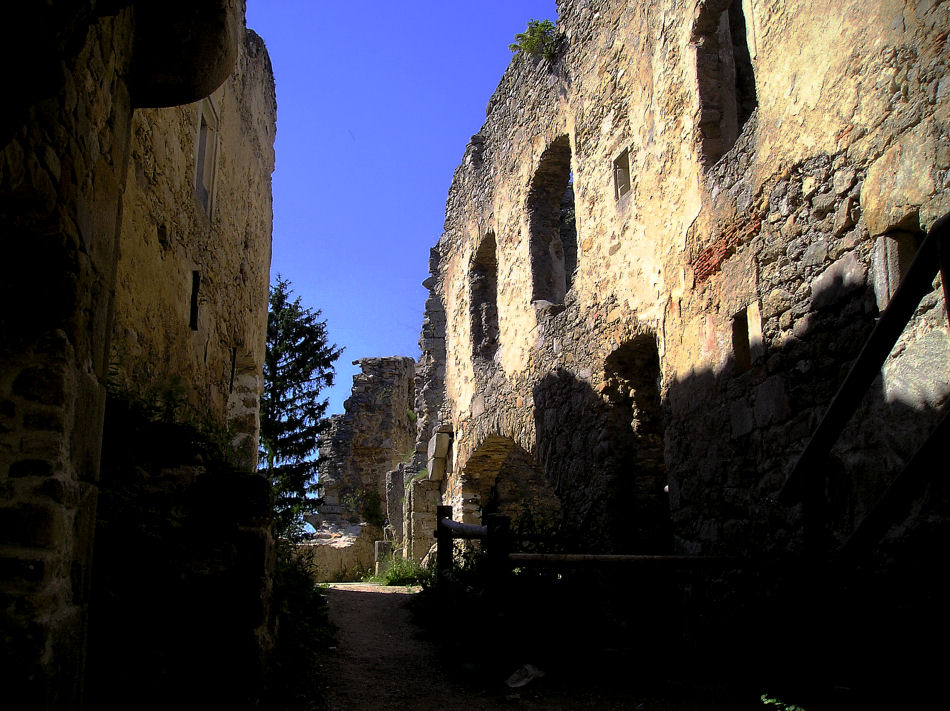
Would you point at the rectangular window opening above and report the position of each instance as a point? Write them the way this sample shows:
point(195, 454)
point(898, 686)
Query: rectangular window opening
point(195, 285)
point(741, 350)
point(233, 365)
point(907, 244)
point(622, 174)
point(206, 155)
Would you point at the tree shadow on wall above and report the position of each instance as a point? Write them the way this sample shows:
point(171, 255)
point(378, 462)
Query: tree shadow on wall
point(834, 634)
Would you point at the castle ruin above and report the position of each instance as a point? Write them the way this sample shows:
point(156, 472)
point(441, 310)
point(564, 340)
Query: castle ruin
point(662, 252)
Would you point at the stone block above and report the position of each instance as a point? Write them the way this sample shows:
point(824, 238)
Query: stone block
point(740, 418)
point(840, 279)
point(900, 181)
point(32, 525)
point(43, 384)
point(437, 469)
point(439, 445)
point(771, 402)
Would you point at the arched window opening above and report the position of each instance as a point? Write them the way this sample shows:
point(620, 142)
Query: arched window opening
point(552, 224)
point(635, 431)
point(725, 77)
point(483, 283)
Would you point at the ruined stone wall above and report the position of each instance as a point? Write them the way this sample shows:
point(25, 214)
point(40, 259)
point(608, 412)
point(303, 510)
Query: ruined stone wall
point(183, 488)
point(362, 457)
point(376, 432)
point(192, 284)
point(739, 210)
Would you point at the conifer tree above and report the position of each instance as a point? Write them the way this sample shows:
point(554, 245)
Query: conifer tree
point(298, 365)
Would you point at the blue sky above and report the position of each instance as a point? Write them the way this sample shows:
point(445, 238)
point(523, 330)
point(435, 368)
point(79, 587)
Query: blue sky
point(375, 103)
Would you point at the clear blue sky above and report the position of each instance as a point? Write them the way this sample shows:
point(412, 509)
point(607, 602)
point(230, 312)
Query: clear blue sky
point(375, 103)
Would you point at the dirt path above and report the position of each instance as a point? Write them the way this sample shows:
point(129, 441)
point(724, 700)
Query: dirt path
point(381, 664)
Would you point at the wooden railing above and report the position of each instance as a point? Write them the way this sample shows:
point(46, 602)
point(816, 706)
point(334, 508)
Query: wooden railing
point(501, 558)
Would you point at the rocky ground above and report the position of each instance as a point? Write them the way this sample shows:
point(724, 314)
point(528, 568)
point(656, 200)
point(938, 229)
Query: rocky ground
point(382, 663)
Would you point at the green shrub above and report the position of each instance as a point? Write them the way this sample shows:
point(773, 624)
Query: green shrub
point(367, 504)
point(418, 476)
point(403, 571)
point(540, 38)
point(779, 704)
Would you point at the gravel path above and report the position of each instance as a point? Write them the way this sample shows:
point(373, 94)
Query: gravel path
point(381, 664)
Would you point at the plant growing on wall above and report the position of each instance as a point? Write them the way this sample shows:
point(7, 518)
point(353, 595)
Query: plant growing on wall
point(298, 365)
point(539, 38)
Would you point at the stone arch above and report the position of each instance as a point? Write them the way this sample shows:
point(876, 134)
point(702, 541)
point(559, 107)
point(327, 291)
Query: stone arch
point(725, 76)
point(502, 477)
point(553, 232)
point(483, 290)
point(634, 428)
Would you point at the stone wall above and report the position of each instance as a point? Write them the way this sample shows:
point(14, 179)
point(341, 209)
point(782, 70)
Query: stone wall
point(192, 283)
point(376, 432)
point(65, 148)
point(708, 278)
point(62, 177)
point(360, 453)
point(749, 180)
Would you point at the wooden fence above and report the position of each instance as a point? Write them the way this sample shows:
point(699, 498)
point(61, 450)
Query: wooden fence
point(496, 534)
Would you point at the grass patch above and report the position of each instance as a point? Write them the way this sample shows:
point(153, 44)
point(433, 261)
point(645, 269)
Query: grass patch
point(401, 571)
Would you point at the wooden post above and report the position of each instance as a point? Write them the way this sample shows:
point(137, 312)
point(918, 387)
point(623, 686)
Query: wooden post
point(443, 537)
point(497, 542)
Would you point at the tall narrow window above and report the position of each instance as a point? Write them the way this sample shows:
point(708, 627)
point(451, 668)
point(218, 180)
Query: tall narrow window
point(552, 224)
point(725, 76)
point(233, 367)
point(195, 285)
point(622, 174)
point(483, 282)
point(741, 352)
point(747, 343)
point(206, 155)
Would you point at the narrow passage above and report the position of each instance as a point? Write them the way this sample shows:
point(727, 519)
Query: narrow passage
point(382, 664)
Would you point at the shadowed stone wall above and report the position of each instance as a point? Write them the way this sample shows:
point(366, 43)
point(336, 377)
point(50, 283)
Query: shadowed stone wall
point(66, 139)
point(748, 179)
point(753, 263)
point(192, 282)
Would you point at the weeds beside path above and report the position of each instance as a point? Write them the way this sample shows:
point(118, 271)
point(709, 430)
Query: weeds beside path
point(381, 664)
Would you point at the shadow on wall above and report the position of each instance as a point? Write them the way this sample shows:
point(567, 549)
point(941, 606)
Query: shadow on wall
point(179, 569)
point(604, 452)
point(731, 439)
